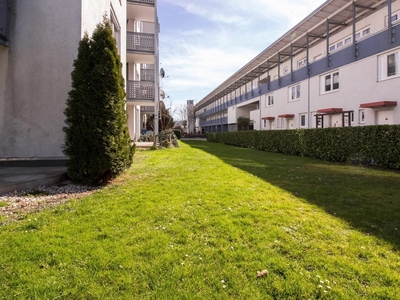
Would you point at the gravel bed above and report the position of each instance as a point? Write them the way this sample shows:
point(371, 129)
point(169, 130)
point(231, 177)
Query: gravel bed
point(16, 205)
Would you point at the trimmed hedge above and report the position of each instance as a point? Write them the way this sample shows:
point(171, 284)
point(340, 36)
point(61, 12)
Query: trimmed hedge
point(379, 145)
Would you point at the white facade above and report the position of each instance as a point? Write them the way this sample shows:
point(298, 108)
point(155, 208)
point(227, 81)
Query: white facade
point(36, 65)
point(343, 69)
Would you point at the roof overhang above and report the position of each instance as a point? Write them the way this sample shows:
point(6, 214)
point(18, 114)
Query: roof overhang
point(379, 104)
point(269, 118)
point(311, 30)
point(331, 110)
point(286, 116)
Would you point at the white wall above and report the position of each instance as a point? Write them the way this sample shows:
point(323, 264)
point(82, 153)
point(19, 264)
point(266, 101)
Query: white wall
point(44, 38)
point(43, 44)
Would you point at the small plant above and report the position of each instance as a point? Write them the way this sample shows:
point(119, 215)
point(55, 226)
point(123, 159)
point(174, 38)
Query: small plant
point(3, 204)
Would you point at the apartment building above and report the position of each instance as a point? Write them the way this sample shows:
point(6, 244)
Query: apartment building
point(338, 67)
point(38, 44)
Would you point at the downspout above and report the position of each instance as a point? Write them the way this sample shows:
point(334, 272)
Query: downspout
point(157, 74)
point(309, 84)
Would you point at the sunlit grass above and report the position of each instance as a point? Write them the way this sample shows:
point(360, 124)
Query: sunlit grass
point(198, 222)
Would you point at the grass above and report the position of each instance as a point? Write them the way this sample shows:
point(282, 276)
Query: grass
point(198, 222)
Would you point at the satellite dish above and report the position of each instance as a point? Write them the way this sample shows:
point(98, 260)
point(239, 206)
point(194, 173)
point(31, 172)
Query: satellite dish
point(162, 94)
point(162, 73)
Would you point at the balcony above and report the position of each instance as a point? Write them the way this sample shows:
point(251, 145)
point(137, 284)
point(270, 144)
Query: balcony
point(140, 42)
point(142, 2)
point(140, 91)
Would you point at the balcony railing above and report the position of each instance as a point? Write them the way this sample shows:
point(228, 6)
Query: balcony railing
point(140, 42)
point(148, 2)
point(147, 74)
point(140, 90)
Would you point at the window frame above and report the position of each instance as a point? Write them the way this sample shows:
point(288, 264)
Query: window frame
point(301, 117)
point(332, 83)
point(384, 65)
point(294, 92)
point(268, 98)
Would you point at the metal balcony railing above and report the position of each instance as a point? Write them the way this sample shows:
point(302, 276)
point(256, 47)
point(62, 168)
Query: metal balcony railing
point(147, 75)
point(148, 2)
point(140, 90)
point(140, 42)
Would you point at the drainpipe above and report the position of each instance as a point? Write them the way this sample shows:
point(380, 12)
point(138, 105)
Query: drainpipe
point(309, 84)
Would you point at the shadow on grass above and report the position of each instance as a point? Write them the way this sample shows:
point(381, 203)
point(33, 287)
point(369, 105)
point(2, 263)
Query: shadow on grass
point(367, 199)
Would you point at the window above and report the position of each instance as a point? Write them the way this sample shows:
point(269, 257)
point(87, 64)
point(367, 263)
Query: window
point(394, 19)
point(285, 70)
point(366, 31)
point(340, 44)
point(265, 123)
point(302, 62)
point(116, 29)
point(294, 92)
point(391, 64)
point(332, 48)
point(302, 120)
point(388, 65)
point(358, 35)
point(347, 41)
point(361, 116)
point(269, 100)
point(330, 82)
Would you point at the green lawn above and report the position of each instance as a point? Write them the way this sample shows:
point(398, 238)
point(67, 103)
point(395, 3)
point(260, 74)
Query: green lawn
point(199, 221)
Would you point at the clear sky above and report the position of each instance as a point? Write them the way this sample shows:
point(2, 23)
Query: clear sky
point(203, 42)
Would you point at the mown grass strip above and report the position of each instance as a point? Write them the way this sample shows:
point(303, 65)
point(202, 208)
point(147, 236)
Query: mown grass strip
point(198, 222)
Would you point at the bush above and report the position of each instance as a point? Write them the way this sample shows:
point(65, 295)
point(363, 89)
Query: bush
point(96, 133)
point(168, 139)
point(379, 145)
point(178, 134)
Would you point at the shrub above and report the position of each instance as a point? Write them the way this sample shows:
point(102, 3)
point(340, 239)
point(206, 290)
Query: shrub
point(178, 134)
point(379, 145)
point(96, 133)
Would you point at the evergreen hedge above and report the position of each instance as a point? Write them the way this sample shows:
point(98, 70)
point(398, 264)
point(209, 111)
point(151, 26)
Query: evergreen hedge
point(97, 141)
point(379, 145)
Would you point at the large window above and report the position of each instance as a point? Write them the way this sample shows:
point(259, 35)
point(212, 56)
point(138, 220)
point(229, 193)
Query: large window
point(389, 65)
point(330, 82)
point(294, 92)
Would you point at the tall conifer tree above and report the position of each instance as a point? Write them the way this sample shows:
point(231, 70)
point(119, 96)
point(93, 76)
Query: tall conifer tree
point(97, 141)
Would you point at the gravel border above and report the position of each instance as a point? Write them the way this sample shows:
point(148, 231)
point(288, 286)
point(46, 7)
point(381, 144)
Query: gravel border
point(18, 204)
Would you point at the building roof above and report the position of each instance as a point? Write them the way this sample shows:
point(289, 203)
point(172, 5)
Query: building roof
point(313, 28)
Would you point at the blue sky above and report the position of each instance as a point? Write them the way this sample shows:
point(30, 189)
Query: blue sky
point(203, 42)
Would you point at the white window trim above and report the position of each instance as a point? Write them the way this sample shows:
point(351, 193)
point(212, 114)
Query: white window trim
point(302, 63)
point(286, 71)
point(340, 44)
point(269, 103)
point(361, 116)
point(382, 65)
point(323, 85)
point(395, 14)
point(297, 92)
point(305, 120)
